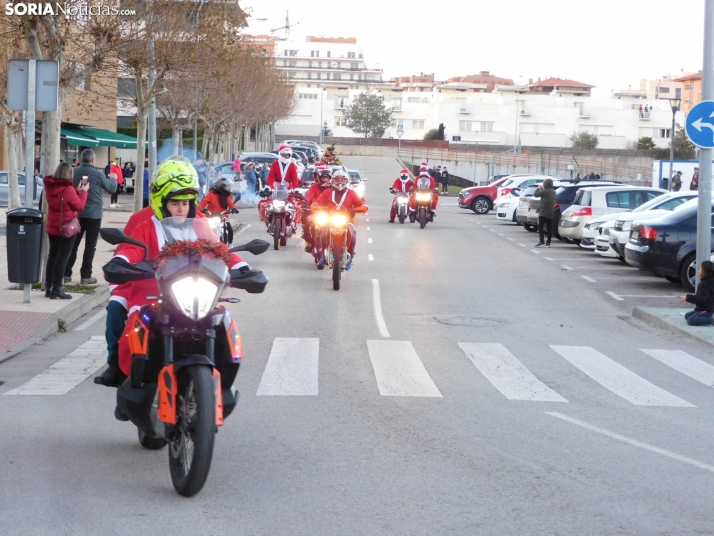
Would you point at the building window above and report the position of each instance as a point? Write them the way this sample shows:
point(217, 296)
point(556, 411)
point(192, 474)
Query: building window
point(319, 76)
point(307, 96)
point(339, 65)
point(328, 53)
point(314, 53)
point(292, 63)
point(536, 128)
point(291, 74)
point(418, 100)
point(319, 65)
point(664, 90)
point(337, 76)
point(340, 122)
point(413, 124)
point(663, 132)
point(309, 75)
point(354, 66)
point(352, 77)
point(689, 85)
point(309, 64)
point(308, 85)
point(475, 126)
point(598, 130)
point(351, 55)
point(360, 56)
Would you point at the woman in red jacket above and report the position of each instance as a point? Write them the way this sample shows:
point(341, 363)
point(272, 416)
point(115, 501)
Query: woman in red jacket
point(63, 203)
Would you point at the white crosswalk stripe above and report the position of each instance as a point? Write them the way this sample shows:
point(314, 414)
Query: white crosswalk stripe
point(507, 374)
point(68, 372)
point(399, 371)
point(292, 368)
point(618, 379)
point(686, 364)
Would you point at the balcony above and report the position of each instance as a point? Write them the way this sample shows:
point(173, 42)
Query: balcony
point(644, 116)
point(525, 113)
point(464, 110)
point(340, 105)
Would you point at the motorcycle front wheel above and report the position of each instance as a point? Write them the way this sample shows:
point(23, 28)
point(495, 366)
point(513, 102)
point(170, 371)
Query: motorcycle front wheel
point(422, 217)
point(191, 450)
point(336, 266)
point(276, 235)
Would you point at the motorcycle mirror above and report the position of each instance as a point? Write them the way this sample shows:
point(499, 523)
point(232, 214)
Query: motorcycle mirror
point(365, 179)
point(229, 300)
point(253, 282)
point(256, 247)
point(116, 236)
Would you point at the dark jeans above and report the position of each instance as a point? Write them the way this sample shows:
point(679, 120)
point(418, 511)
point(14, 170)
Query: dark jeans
point(542, 222)
point(60, 250)
point(699, 318)
point(444, 187)
point(116, 321)
point(90, 229)
point(114, 197)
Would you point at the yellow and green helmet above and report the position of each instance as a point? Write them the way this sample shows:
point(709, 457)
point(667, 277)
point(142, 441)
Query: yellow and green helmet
point(174, 180)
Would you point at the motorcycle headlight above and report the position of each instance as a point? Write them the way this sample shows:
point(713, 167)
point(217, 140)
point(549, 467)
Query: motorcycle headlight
point(423, 196)
point(194, 296)
point(402, 200)
point(277, 204)
point(321, 218)
point(338, 220)
point(359, 188)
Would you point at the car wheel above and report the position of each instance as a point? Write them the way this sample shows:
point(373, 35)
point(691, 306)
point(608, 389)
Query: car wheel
point(568, 240)
point(672, 279)
point(530, 228)
point(481, 205)
point(688, 272)
point(622, 258)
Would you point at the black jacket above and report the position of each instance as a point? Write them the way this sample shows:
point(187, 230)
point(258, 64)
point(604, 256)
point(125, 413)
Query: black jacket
point(703, 300)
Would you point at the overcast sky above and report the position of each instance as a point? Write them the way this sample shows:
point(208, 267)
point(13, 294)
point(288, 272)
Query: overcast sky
point(607, 43)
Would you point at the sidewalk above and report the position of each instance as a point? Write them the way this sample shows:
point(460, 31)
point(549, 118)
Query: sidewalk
point(671, 320)
point(21, 324)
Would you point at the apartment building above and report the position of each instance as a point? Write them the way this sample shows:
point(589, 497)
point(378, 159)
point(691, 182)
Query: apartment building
point(665, 87)
point(691, 90)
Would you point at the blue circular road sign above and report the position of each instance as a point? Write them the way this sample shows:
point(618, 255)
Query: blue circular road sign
point(700, 125)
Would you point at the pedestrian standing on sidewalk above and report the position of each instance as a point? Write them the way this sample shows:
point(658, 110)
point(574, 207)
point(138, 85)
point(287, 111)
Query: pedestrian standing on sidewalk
point(694, 186)
point(703, 300)
point(145, 178)
point(445, 181)
point(546, 193)
point(677, 181)
point(117, 171)
point(63, 203)
point(90, 219)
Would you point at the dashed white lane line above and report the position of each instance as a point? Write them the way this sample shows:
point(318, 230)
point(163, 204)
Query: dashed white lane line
point(91, 321)
point(507, 374)
point(368, 228)
point(68, 372)
point(500, 234)
point(548, 258)
point(614, 296)
point(369, 240)
point(536, 252)
point(511, 239)
point(399, 371)
point(633, 442)
point(618, 379)
point(370, 257)
point(377, 304)
point(242, 230)
point(566, 267)
point(586, 278)
point(366, 219)
point(292, 368)
point(523, 245)
point(686, 364)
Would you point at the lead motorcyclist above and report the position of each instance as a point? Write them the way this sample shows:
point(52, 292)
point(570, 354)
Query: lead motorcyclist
point(424, 174)
point(340, 197)
point(284, 171)
point(322, 183)
point(403, 183)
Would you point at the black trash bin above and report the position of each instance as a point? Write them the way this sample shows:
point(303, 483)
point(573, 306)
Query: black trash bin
point(25, 229)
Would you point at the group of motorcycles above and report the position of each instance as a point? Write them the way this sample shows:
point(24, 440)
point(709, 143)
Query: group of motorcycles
point(423, 198)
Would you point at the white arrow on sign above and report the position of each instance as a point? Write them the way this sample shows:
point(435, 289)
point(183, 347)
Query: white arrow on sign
point(698, 125)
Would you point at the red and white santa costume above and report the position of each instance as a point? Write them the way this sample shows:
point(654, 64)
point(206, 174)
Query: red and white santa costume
point(282, 170)
point(433, 186)
point(401, 185)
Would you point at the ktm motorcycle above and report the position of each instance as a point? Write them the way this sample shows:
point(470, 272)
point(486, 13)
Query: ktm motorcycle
point(186, 349)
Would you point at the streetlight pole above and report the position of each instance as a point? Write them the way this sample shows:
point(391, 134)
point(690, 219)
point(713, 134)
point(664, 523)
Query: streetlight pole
point(322, 137)
point(674, 104)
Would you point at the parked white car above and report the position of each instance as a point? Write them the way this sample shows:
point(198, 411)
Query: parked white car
point(591, 202)
point(505, 191)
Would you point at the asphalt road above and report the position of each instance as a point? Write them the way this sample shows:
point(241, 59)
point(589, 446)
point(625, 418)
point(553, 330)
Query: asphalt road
point(502, 394)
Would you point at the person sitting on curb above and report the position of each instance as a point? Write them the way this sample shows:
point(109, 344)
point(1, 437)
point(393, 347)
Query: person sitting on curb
point(703, 300)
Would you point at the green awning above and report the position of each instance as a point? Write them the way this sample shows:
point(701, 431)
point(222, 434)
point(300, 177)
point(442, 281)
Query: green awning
point(107, 138)
point(75, 138)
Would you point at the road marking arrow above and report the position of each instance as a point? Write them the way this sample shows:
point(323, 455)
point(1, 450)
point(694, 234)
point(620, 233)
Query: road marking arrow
point(698, 125)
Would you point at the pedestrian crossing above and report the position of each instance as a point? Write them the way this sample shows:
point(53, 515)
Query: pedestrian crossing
point(293, 369)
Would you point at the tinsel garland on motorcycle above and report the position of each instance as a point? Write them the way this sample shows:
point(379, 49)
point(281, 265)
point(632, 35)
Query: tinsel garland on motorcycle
point(200, 247)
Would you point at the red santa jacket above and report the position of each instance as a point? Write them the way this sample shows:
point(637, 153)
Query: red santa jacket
point(347, 199)
point(403, 186)
point(213, 202)
point(283, 172)
point(315, 191)
point(63, 203)
point(120, 293)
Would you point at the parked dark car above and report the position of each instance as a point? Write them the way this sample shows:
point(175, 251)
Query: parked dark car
point(667, 245)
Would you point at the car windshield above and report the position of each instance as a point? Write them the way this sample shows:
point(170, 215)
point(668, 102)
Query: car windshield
point(583, 198)
point(178, 229)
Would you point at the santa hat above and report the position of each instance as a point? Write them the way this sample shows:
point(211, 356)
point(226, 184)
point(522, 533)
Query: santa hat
point(423, 168)
point(404, 172)
point(285, 148)
point(424, 164)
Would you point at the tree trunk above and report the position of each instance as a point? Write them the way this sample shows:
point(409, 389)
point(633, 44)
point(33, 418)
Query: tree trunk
point(51, 124)
point(204, 142)
point(12, 134)
point(176, 139)
point(141, 121)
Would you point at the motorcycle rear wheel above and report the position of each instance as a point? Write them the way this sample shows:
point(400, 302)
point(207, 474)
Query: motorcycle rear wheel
point(191, 451)
point(336, 266)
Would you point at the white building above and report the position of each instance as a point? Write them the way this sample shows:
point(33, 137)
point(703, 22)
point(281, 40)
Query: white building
point(506, 116)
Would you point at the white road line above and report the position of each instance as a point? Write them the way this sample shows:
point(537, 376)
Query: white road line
point(292, 368)
point(633, 442)
point(68, 372)
point(565, 267)
point(686, 364)
point(366, 219)
point(369, 240)
point(368, 228)
point(586, 278)
point(618, 379)
point(91, 321)
point(507, 374)
point(500, 234)
point(511, 239)
point(549, 259)
point(649, 296)
point(370, 257)
point(377, 304)
point(399, 371)
point(242, 230)
point(523, 245)
point(536, 252)
point(614, 296)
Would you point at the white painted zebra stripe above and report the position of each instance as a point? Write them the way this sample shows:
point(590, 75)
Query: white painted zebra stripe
point(68, 372)
point(618, 379)
point(399, 371)
point(507, 374)
point(292, 368)
point(686, 364)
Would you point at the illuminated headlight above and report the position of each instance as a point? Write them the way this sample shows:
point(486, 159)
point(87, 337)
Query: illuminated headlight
point(423, 196)
point(194, 296)
point(338, 220)
point(626, 226)
point(277, 204)
point(359, 188)
point(402, 200)
point(321, 218)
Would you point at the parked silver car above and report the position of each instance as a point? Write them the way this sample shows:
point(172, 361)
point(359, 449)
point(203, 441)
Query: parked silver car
point(4, 193)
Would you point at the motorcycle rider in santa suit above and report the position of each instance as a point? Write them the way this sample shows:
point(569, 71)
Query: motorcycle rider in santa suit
point(322, 183)
point(283, 170)
point(424, 174)
point(340, 197)
point(402, 184)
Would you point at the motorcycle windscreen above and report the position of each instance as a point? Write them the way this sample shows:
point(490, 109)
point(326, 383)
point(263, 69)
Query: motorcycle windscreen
point(178, 229)
point(211, 265)
point(423, 183)
point(281, 192)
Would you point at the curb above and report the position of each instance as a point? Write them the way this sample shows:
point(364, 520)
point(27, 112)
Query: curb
point(71, 313)
point(659, 323)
